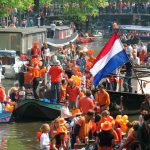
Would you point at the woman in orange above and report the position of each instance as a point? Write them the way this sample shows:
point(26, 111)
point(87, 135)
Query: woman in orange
point(63, 90)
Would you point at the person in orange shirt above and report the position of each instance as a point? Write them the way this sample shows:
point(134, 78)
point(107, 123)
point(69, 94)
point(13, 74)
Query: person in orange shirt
point(63, 90)
point(83, 128)
point(74, 67)
point(55, 74)
point(104, 116)
point(73, 91)
point(35, 50)
point(102, 98)
point(2, 93)
point(86, 102)
point(36, 78)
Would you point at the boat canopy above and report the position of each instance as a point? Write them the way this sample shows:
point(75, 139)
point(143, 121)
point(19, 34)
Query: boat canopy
point(133, 27)
point(9, 53)
point(63, 42)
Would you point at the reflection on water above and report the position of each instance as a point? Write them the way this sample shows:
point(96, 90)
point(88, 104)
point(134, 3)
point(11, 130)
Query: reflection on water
point(22, 136)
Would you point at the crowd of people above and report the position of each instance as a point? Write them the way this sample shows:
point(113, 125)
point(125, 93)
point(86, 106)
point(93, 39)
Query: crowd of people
point(85, 114)
point(96, 131)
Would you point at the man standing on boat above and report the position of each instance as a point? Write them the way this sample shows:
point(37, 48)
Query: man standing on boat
point(53, 27)
point(55, 73)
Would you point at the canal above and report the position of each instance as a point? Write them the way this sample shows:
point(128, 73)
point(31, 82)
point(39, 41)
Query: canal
point(22, 136)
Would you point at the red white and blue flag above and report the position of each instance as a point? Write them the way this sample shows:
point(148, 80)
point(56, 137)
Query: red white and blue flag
point(110, 57)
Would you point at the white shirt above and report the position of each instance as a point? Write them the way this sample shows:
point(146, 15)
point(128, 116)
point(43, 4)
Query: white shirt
point(136, 61)
point(47, 52)
point(45, 141)
point(53, 26)
point(65, 113)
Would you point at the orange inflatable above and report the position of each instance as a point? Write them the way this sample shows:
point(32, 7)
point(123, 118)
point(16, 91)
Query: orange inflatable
point(9, 108)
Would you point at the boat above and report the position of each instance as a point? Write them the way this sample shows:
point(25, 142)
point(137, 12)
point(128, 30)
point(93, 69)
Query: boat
point(31, 109)
point(141, 33)
point(5, 117)
point(126, 102)
point(62, 42)
point(64, 34)
point(11, 63)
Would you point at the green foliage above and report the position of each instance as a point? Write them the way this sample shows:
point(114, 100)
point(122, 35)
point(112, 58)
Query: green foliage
point(7, 5)
point(82, 8)
point(45, 2)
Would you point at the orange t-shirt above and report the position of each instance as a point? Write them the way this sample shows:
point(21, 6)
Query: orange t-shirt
point(63, 92)
point(85, 104)
point(102, 99)
point(55, 73)
point(73, 93)
point(2, 95)
point(85, 127)
point(36, 73)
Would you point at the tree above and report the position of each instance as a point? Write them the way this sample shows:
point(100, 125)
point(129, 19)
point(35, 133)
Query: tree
point(82, 8)
point(6, 6)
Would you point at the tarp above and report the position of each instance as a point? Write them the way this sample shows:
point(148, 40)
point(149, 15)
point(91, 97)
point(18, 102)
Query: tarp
point(63, 42)
point(134, 27)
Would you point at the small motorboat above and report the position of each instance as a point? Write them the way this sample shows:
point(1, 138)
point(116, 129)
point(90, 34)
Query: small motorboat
point(86, 39)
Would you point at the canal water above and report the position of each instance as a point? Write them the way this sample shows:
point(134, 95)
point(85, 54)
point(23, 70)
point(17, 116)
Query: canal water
point(22, 136)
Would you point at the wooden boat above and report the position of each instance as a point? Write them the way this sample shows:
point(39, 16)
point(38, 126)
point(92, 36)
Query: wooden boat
point(5, 117)
point(29, 109)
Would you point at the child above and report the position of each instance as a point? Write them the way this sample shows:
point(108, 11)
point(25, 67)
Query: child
point(44, 139)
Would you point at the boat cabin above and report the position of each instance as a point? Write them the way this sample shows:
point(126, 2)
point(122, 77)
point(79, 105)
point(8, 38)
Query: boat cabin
point(21, 39)
point(61, 32)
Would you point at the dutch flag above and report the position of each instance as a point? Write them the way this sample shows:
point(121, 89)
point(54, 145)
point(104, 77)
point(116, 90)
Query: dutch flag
point(110, 57)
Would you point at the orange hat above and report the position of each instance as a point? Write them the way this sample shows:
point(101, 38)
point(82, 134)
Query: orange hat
point(76, 112)
point(60, 130)
point(62, 121)
point(35, 43)
point(106, 126)
point(90, 52)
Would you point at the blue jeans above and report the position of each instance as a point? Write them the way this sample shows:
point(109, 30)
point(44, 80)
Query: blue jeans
point(127, 82)
point(55, 91)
